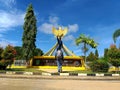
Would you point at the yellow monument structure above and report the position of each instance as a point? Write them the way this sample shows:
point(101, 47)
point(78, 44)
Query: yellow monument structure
point(71, 61)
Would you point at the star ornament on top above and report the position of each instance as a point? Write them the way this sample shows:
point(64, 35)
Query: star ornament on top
point(59, 32)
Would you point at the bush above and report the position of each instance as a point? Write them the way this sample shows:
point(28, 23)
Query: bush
point(91, 57)
point(115, 62)
point(113, 53)
point(99, 66)
point(3, 64)
point(114, 56)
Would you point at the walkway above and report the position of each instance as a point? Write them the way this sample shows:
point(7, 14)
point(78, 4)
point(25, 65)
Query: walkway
point(36, 84)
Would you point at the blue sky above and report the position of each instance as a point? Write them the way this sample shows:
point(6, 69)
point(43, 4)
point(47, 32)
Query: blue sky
point(95, 18)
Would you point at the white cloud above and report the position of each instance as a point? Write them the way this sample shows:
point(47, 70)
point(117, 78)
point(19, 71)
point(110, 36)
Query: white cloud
point(78, 51)
point(10, 16)
point(4, 43)
point(73, 28)
point(103, 35)
point(69, 38)
point(53, 21)
point(9, 20)
point(46, 28)
point(8, 3)
point(103, 30)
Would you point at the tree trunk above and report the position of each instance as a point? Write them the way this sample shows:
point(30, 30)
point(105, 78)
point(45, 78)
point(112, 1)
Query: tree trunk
point(85, 51)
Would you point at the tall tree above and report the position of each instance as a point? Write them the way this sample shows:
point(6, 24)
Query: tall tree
point(29, 34)
point(37, 52)
point(19, 52)
point(116, 34)
point(96, 54)
point(1, 51)
point(106, 53)
point(86, 41)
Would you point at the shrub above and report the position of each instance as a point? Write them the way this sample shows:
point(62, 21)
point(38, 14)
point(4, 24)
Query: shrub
point(113, 53)
point(115, 62)
point(91, 57)
point(114, 56)
point(99, 66)
point(9, 53)
point(3, 64)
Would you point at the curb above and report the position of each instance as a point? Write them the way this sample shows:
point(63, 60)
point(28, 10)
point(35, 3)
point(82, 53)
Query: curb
point(60, 74)
point(58, 77)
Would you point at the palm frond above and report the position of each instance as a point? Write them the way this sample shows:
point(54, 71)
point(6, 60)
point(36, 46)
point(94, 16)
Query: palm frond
point(116, 34)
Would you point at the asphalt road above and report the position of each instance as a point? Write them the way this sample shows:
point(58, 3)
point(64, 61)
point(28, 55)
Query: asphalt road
point(41, 84)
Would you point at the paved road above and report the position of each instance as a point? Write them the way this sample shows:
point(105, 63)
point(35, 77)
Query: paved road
point(40, 84)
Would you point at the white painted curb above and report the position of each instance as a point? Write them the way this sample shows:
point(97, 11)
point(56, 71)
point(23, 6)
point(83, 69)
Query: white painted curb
point(82, 74)
point(99, 75)
point(28, 73)
point(10, 73)
point(115, 75)
point(64, 74)
point(46, 74)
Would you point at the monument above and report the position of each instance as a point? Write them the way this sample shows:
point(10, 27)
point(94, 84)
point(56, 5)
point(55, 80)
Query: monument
point(48, 59)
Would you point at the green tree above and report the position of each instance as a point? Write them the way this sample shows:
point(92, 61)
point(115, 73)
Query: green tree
point(38, 52)
point(9, 54)
point(1, 51)
point(29, 34)
point(114, 56)
point(91, 57)
point(96, 54)
point(19, 54)
point(86, 41)
point(106, 53)
point(2, 63)
point(116, 34)
point(113, 52)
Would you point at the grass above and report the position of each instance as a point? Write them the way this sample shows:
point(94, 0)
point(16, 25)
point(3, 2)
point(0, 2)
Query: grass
point(40, 71)
point(79, 71)
point(23, 70)
point(86, 72)
point(89, 72)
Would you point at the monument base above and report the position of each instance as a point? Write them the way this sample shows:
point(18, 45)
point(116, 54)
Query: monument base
point(65, 68)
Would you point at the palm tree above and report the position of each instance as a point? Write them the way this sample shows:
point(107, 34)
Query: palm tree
point(86, 41)
point(116, 34)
